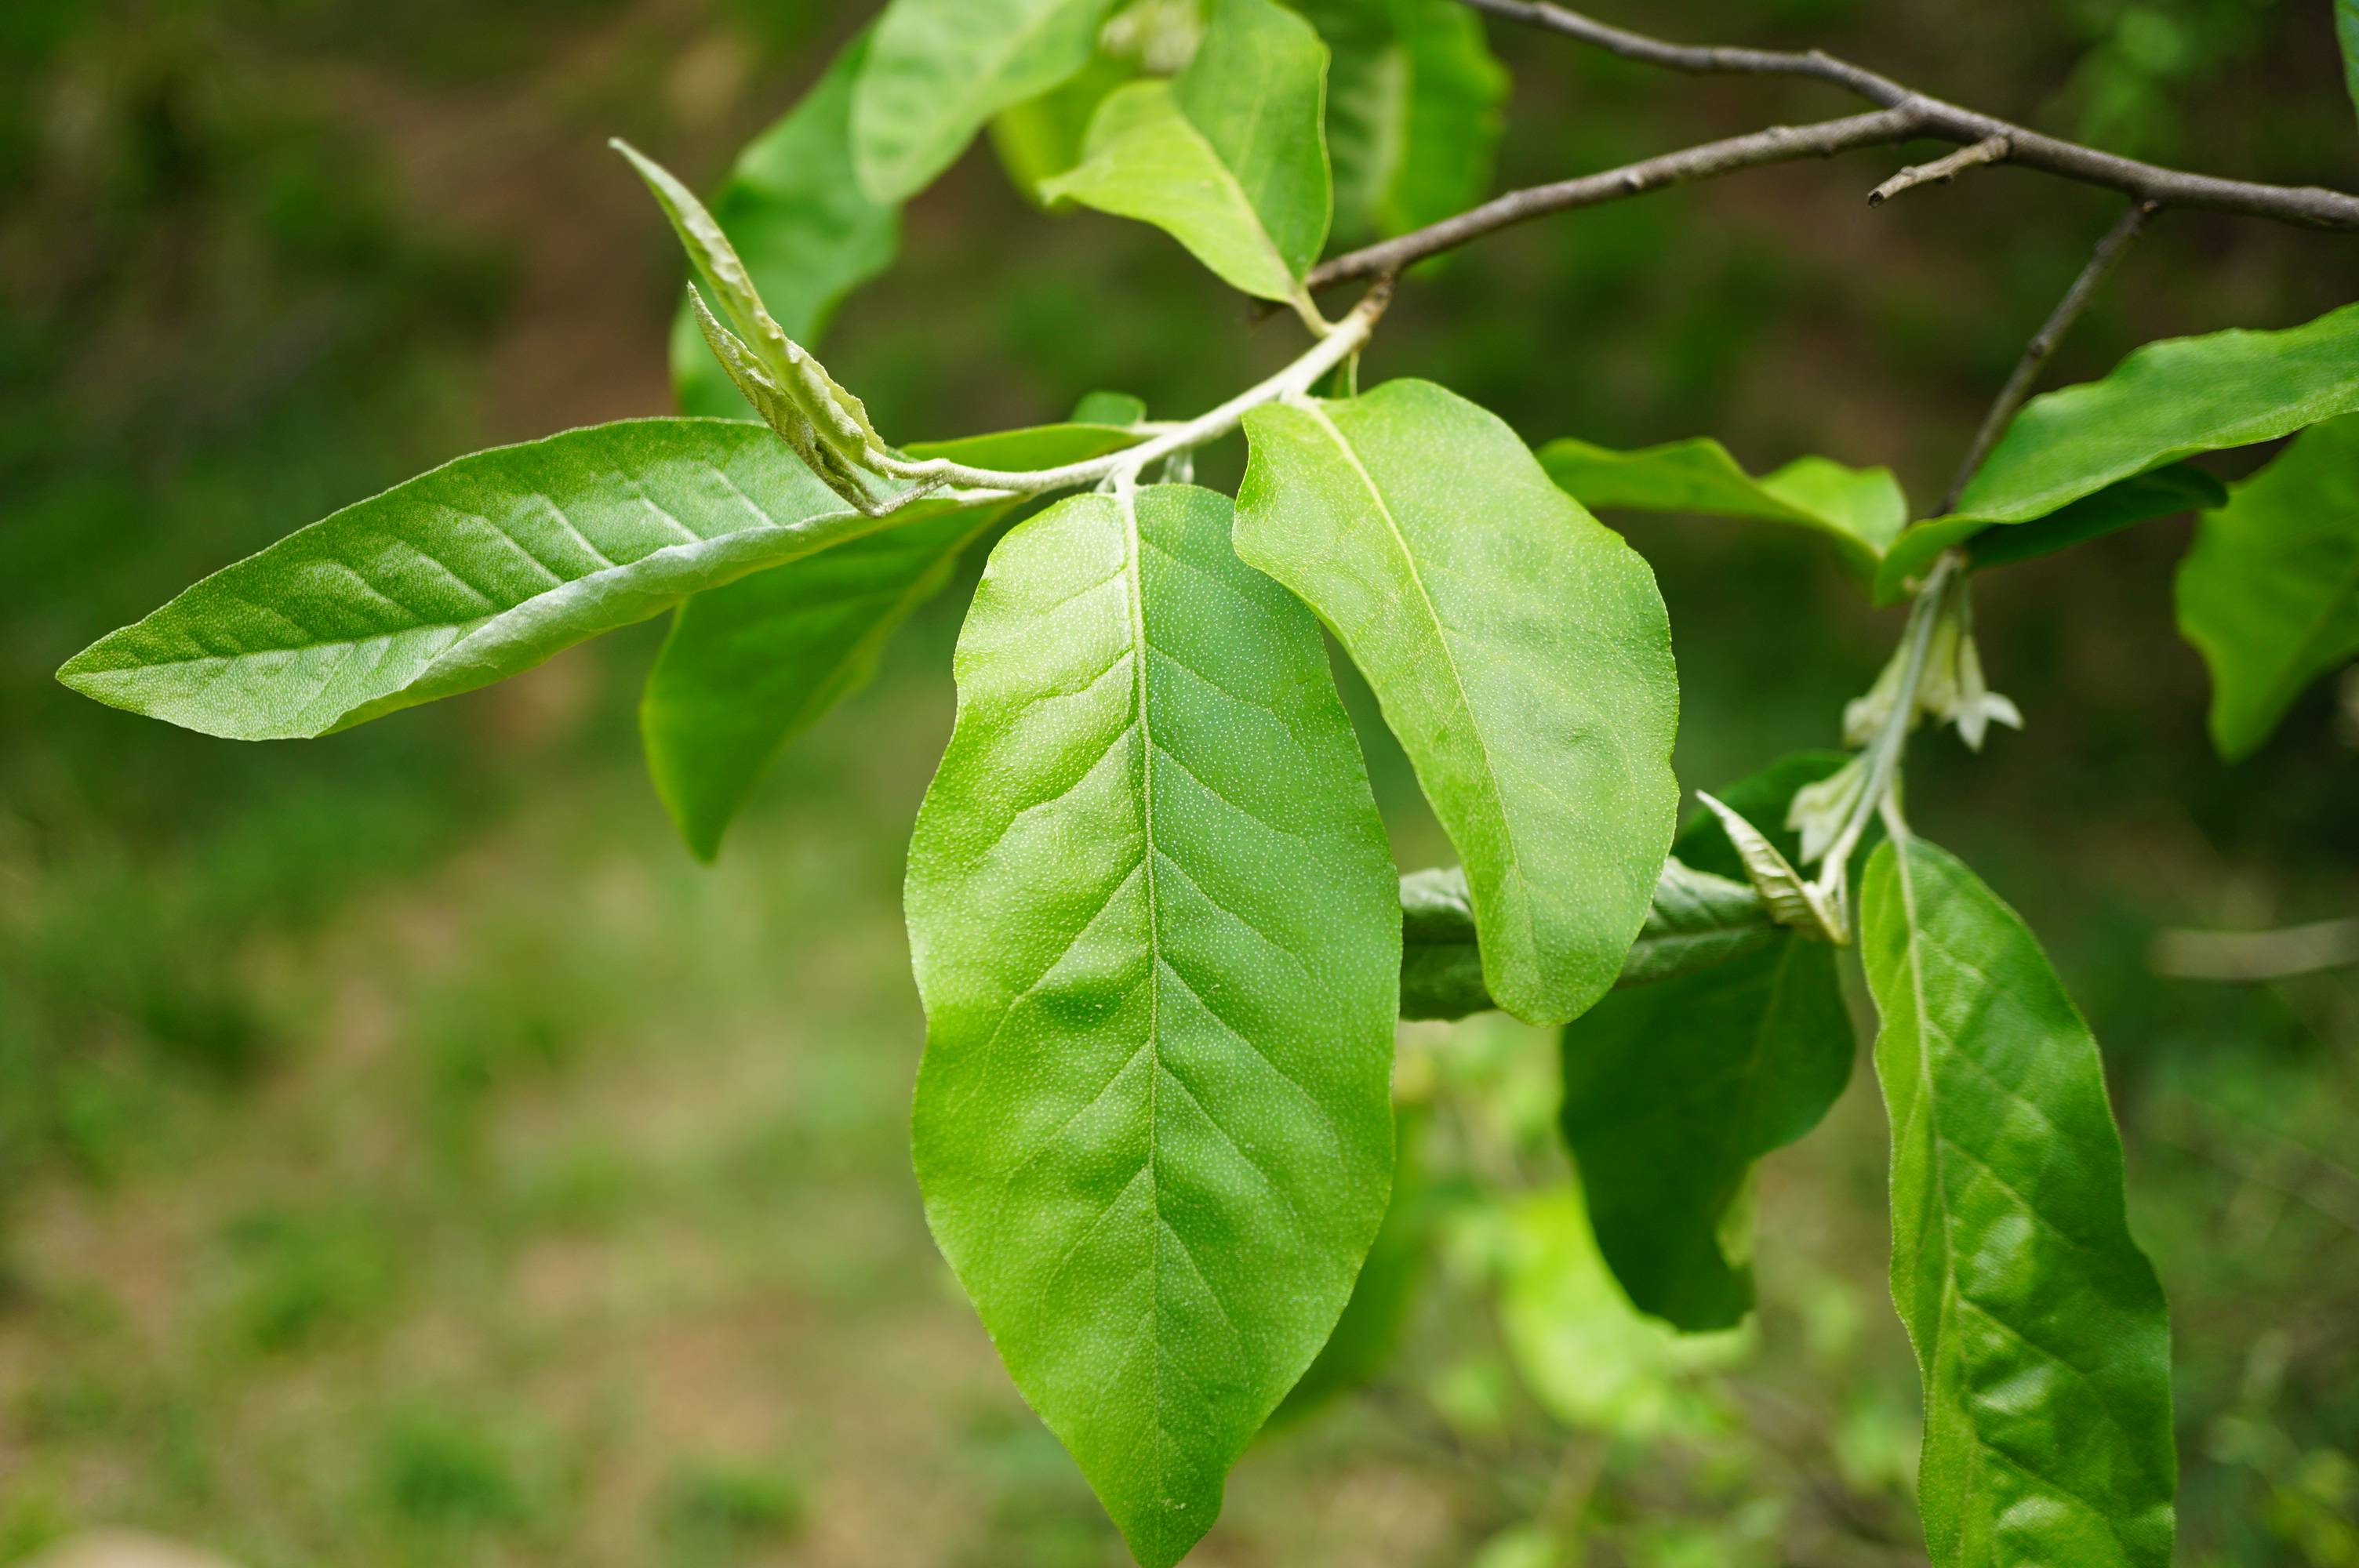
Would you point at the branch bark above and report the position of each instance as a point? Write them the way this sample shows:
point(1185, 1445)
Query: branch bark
point(1940, 171)
point(2042, 347)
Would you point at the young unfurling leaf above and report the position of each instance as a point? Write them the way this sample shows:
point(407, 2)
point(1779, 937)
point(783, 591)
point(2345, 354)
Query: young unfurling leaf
point(1789, 897)
point(1156, 928)
point(1229, 157)
point(2039, 1326)
point(1519, 649)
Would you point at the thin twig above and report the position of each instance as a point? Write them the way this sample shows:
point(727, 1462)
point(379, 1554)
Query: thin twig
point(1780, 144)
point(2308, 206)
point(2251, 955)
point(2042, 347)
point(1940, 171)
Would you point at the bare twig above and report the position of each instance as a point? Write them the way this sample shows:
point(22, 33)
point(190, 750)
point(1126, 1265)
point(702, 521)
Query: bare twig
point(1780, 144)
point(2042, 347)
point(2308, 206)
point(1940, 171)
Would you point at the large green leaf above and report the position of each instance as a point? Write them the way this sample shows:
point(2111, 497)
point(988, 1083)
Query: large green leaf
point(1674, 1092)
point(468, 574)
point(2270, 594)
point(2167, 401)
point(1861, 509)
point(808, 233)
point(2038, 1325)
point(1413, 99)
point(1519, 651)
point(939, 68)
point(1156, 928)
point(1370, 1330)
point(749, 666)
point(1698, 920)
point(2158, 492)
point(1229, 157)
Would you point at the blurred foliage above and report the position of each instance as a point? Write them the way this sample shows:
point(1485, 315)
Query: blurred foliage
point(406, 1156)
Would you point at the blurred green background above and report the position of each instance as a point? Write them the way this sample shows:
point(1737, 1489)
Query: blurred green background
point(408, 1156)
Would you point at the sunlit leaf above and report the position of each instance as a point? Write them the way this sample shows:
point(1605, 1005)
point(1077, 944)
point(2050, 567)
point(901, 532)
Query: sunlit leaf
point(1518, 649)
point(749, 666)
point(2270, 594)
point(1413, 98)
point(466, 575)
point(2039, 1328)
point(1155, 929)
point(1861, 509)
point(807, 233)
point(939, 70)
point(1673, 1092)
point(1369, 1331)
point(1229, 157)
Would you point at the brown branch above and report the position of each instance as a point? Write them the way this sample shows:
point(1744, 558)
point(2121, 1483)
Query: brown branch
point(1780, 144)
point(1940, 171)
point(2042, 347)
point(2309, 206)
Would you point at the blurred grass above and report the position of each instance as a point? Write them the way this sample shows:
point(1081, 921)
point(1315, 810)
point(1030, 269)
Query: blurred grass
point(408, 1156)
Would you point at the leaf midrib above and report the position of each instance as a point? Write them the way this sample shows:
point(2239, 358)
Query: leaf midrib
point(1449, 662)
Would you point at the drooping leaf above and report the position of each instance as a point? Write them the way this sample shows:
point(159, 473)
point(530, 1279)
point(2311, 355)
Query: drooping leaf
point(1589, 1356)
point(2167, 401)
point(1413, 99)
point(1370, 1330)
point(2270, 594)
point(1155, 929)
point(1230, 156)
point(1698, 920)
point(1674, 1092)
point(2158, 492)
point(2039, 1326)
point(469, 574)
point(749, 666)
point(1861, 509)
point(1518, 649)
point(938, 70)
point(808, 233)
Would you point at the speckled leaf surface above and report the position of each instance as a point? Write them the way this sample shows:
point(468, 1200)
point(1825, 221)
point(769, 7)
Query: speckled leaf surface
point(2039, 1327)
point(1156, 928)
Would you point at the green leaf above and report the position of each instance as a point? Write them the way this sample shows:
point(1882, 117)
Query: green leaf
point(1674, 1092)
point(1588, 1356)
point(1861, 509)
point(1413, 102)
point(2167, 401)
point(1369, 1331)
point(808, 233)
point(2346, 28)
point(2039, 1326)
point(749, 666)
point(2270, 594)
point(1228, 157)
point(940, 69)
point(2141, 498)
point(1155, 929)
point(1044, 137)
point(1518, 649)
point(1697, 920)
point(1120, 408)
point(469, 574)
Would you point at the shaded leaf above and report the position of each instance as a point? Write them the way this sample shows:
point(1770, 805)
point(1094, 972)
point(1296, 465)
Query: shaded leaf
point(2270, 594)
point(1674, 1092)
point(1155, 929)
point(2167, 401)
point(807, 233)
point(2158, 492)
point(938, 70)
point(1861, 509)
point(2039, 1328)
point(749, 666)
point(1413, 100)
point(469, 574)
point(1518, 649)
point(1229, 157)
